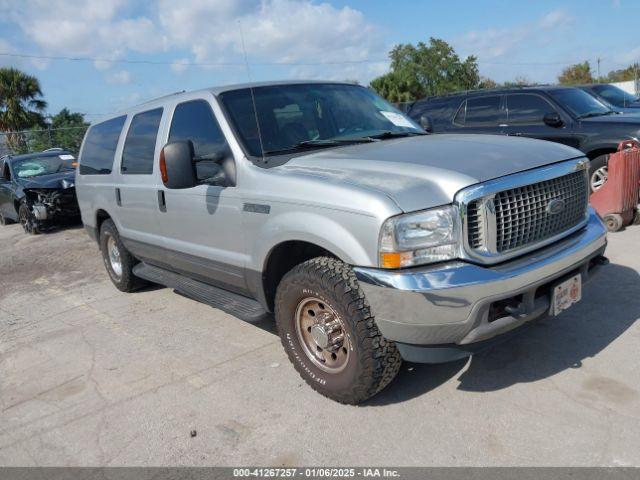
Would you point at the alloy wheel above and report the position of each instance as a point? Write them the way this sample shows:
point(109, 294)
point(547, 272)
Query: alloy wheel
point(599, 178)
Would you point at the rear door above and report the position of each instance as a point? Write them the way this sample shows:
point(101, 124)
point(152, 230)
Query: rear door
point(483, 114)
point(525, 118)
point(137, 190)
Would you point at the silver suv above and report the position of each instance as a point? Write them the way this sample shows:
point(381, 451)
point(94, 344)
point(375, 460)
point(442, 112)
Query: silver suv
point(371, 241)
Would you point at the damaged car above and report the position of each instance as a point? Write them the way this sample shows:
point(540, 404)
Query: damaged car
point(38, 190)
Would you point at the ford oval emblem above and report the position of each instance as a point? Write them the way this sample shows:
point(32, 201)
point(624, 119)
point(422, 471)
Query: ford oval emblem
point(555, 206)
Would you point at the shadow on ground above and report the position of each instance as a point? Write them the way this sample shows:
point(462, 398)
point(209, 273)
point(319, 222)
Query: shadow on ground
point(610, 305)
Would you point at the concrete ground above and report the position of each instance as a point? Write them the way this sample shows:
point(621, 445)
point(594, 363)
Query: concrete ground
point(92, 376)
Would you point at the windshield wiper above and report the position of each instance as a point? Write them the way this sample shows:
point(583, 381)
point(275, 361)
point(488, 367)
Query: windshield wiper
point(596, 114)
point(389, 134)
point(309, 144)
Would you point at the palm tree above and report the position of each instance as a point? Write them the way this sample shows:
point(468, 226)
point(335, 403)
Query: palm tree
point(21, 105)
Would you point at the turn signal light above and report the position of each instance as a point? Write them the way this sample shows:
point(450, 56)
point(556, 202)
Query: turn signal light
point(163, 168)
point(393, 260)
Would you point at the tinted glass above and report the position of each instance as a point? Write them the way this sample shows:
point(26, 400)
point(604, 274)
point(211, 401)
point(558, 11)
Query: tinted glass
point(290, 114)
point(140, 144)
point(483, 111)
point(195, 121)
point(614, 95)
point(100, 147)
point(523, 108)
point(579, 102)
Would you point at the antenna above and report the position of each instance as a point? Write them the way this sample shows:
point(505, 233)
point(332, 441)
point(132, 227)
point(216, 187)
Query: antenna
point(253, 98)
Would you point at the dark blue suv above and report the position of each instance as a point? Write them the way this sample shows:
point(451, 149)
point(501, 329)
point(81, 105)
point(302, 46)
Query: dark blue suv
point(560, 114)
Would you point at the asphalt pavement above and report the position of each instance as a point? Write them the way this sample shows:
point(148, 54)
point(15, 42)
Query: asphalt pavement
point(91, 376)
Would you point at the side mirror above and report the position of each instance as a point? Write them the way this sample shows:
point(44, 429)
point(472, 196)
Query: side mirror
point(553, 120)
point(425, 123)
point(177, 167)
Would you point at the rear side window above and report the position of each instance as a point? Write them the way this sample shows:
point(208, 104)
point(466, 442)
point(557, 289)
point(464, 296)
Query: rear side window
point(527, 109)
point(483, 111)
point(195, 121)
point(140, 144)
point(100, 147)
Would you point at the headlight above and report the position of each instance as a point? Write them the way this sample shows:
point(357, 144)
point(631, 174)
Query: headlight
point(418, 238)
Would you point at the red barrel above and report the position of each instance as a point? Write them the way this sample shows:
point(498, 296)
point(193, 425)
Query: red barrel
point(616, 201)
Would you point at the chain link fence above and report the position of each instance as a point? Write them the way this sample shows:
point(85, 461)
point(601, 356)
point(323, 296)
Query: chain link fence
point(29, 141)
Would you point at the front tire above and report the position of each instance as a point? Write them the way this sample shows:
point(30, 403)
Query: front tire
point(329, 334)
point(28, 220)
point(117, 259)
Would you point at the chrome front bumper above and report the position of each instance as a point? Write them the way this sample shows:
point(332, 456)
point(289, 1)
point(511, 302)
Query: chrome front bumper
point(451, 303)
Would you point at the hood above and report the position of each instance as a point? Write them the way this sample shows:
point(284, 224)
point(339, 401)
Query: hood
point(427, 171)
point(60, 180)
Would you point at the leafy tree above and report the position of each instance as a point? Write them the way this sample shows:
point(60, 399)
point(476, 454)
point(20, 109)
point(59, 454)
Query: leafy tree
point(632, 72)
point(519, 81)
point(423, 70)
point(21, 105)
point(64, 130)
point(487, 83)
point(576, 74)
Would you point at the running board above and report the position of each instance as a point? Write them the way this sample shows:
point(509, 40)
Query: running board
point(242, 307)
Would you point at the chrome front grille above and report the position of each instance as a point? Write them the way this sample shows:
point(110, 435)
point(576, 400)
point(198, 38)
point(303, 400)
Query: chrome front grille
point(475, 225)
point(505, 217)
point(521, 213)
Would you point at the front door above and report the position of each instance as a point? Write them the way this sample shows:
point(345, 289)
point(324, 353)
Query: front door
point(525, 118)
point(202, 225)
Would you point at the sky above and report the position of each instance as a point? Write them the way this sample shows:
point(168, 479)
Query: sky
point(134, 50)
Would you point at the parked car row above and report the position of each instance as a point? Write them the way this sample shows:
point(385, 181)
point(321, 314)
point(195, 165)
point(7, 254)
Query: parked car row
point(566, 115)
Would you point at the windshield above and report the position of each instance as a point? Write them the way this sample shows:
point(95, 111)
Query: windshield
point(579, 102)
point(36, 167)
point(312, 116)
point(614, 95)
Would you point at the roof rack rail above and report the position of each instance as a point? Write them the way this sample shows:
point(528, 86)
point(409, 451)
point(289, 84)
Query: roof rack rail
point(159, 98)
point(490, 90)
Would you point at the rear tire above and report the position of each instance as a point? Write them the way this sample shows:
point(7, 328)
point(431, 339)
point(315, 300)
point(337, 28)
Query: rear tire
point(117, 259)
point(329, 334)
point(598, 172)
